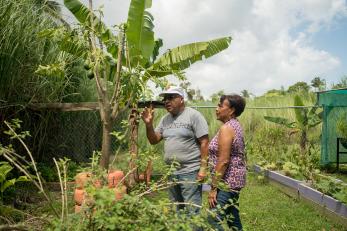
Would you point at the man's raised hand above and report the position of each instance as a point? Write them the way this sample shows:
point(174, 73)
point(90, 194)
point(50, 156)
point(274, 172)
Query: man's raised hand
point(147, 115)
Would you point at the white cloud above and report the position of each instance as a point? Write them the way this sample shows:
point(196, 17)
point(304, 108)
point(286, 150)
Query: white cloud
point(271, 44)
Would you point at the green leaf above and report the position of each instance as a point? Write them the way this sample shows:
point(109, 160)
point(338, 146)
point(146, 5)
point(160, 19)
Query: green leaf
point(182, 57)
point(313, 118)
point(281, 121)
point(52, 70)
point(300, 113)
point(7, 184)
point(5, 168)
point(83, 14)
point(22, 179)
point(139, 32)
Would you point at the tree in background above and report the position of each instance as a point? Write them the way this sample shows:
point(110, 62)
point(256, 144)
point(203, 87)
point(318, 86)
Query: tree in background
point(216, 96)
point(198, 95)
point(274, 92)
point(318, 83)
point(299, 87)
point(341, 84)
point(185, 85)
point(245, 93)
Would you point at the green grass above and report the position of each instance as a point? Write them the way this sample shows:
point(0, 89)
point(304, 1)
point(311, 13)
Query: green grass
point(264, 207)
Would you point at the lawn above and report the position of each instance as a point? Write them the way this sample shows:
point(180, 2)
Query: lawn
point(264, 207)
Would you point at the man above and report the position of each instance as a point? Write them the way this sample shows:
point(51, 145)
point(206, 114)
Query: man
point(185, 134)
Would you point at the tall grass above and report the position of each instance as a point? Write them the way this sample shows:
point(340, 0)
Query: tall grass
point(22, 50)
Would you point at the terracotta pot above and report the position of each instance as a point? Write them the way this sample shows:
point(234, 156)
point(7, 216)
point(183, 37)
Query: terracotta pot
point(79, 196)
point(78, 208)
point(119, 192)
point(114, 177)
point(82, 179)
point(97, 183)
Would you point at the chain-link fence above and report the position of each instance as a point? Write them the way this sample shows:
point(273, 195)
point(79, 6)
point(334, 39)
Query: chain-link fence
point(75, 134)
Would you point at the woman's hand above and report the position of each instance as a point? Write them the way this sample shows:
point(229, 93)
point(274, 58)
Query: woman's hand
point(212, 198)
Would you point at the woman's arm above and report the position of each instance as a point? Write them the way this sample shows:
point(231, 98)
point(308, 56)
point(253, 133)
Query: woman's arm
point(225, 140)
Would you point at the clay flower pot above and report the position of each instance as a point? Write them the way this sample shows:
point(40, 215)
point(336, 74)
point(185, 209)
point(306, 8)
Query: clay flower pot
point(78, 208)
point(79, 196)
point(119, 192)
point(82, 179)
point(114, 177)
point(97, 183)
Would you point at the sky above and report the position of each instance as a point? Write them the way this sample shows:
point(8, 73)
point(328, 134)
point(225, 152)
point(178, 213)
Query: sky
point(275, 42)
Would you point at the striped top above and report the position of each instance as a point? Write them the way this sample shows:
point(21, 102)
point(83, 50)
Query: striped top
point(235, 174)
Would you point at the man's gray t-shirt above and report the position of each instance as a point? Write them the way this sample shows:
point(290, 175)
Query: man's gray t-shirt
point(180, 134)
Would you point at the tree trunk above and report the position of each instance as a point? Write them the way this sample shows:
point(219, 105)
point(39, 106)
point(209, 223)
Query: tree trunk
point(133, 120)
point(303, 141)
point(106, 136)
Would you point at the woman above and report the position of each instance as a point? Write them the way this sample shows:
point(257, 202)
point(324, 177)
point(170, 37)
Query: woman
point(227, 160)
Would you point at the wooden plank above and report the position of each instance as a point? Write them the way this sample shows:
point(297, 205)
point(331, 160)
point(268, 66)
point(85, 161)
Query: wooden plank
point(87, 106)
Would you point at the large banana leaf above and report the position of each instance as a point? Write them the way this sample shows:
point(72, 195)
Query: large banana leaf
point(182, 57)
point(139, 32)
point(313, 118)
point(83, 14)
point(281, 121)
point(300, 113)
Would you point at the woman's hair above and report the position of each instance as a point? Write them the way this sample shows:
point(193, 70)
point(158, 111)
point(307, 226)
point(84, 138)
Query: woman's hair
point(235, 101)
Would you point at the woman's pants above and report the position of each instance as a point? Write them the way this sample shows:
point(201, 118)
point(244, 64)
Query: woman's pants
point(227, 209)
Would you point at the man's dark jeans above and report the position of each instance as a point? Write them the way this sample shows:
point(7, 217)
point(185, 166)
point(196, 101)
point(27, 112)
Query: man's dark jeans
point(186, 192)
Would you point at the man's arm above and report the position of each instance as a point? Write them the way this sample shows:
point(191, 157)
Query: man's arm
point(153, 137)
point(204, 156)
point(147, 116)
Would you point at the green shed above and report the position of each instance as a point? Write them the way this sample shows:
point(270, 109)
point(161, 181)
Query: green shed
point(334, 103)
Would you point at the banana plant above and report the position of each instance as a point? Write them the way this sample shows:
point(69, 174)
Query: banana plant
point(305, 119)
point(121, 64)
